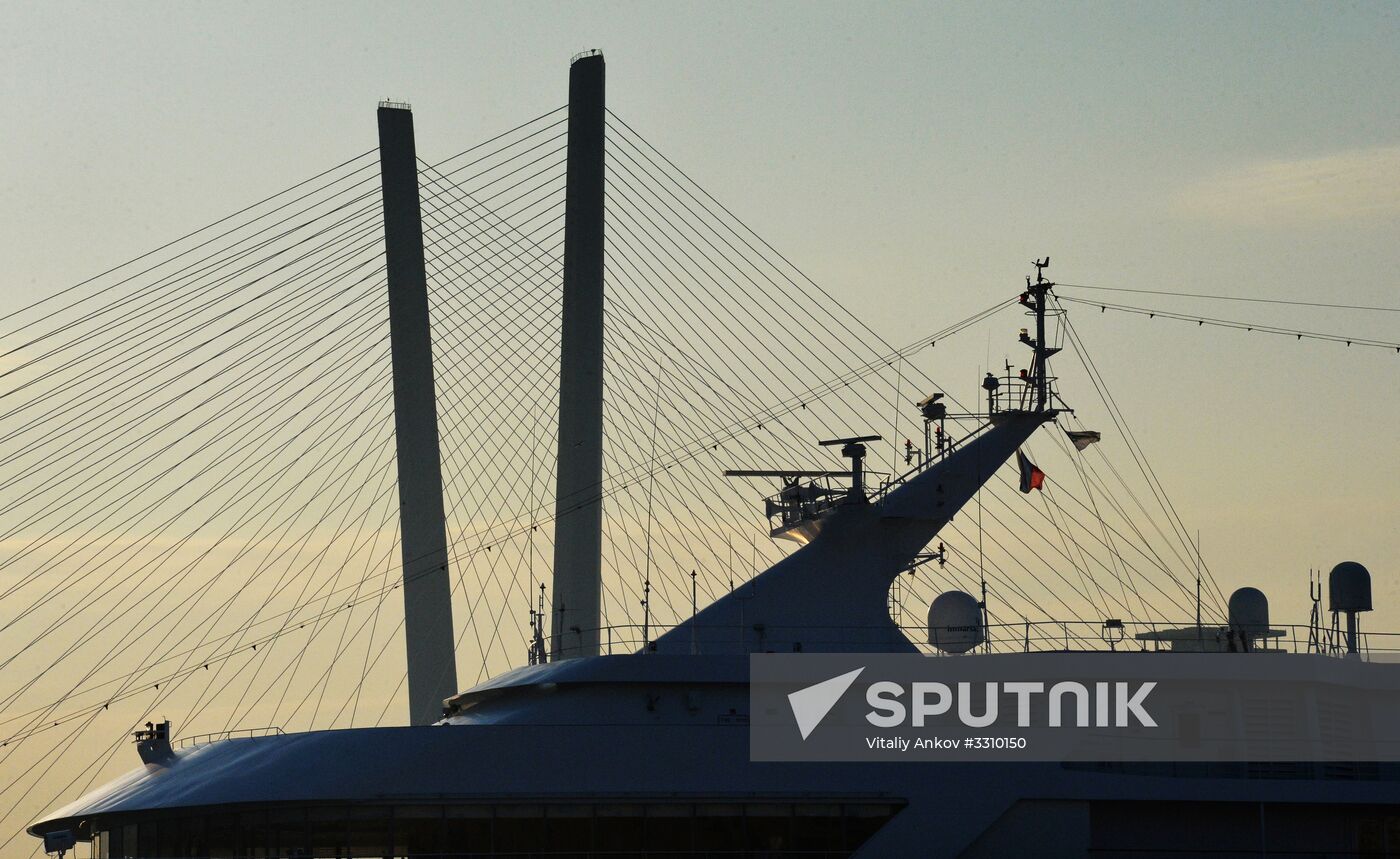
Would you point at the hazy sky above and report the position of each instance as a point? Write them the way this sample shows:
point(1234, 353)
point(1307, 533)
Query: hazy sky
point(912, 158)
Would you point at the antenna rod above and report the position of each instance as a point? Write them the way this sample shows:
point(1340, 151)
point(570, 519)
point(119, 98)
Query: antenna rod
point(1198, 579)
point(427, 590)
point(578, 544)
point(646, 616)
point(1038, 295)
point(694, 609)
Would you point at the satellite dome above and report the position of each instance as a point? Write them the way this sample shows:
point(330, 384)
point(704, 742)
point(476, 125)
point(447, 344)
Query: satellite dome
point(1249, 612)
point(1349, 588)
point(955, 622)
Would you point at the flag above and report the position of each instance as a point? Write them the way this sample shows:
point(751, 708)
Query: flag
point(1031, 477)
point(1083, 438)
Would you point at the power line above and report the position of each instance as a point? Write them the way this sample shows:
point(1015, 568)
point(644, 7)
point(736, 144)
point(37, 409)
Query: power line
point(1283, 301)
point(1297, 334)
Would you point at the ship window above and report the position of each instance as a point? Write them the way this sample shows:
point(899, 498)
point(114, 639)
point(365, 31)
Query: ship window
point(196, 841)
point(770, 827)
point(828, 830)
point(863, 821)
point(252, 835)
point(616, 828)
point(570, 826)
point(368, 831)
point(1331, 829)
point(518, 829)
point(145, 840)
point(326, 830)
point(417, 830)
point(668, 827)
point(223, 836)
point(168, 838)
point(467, 829)
point(286, 831)
point(817, 828)
point(719, 827)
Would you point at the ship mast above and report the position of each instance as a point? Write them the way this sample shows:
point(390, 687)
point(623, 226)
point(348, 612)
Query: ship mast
point(1036, 297)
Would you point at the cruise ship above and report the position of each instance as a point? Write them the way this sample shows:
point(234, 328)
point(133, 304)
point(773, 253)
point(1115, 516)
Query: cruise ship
point(586, 753)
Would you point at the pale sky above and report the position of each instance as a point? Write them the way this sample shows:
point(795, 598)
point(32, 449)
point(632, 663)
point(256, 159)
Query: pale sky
point(905, 155)
point(911, 158)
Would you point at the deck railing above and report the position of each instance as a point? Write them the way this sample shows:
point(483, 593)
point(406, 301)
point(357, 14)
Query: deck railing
point(1039, 636)
point(237, 733)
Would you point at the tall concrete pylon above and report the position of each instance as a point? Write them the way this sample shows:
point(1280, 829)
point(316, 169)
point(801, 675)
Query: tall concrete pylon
point(578, 523)
point(427, 590)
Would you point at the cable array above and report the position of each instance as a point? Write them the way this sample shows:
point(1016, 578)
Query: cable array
point(198, 493)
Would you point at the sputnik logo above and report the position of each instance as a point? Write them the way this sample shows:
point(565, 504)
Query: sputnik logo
point(810, 705)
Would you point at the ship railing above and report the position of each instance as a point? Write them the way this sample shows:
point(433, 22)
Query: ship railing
point(1016, 394)
point(788, 507)
point(920, 460)
point(1038, 636)
point(1156, 636)
point(235, 734)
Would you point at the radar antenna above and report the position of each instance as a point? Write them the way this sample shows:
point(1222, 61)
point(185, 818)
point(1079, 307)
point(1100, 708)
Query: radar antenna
point(805, 498)
point(854, 450)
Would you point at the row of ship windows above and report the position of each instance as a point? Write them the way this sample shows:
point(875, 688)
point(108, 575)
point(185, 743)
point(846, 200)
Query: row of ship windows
point(424, 831)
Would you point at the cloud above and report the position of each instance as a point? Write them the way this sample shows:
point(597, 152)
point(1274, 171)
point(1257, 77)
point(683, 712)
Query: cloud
point(1359, 184)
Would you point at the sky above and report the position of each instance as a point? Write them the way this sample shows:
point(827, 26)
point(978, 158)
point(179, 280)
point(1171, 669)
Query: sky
point(912, 158)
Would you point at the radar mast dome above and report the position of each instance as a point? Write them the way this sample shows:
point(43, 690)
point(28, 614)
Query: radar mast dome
point(955, 622)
